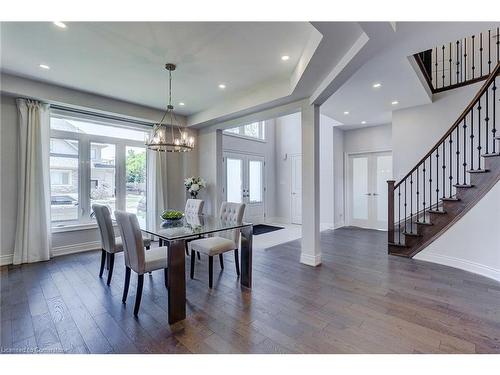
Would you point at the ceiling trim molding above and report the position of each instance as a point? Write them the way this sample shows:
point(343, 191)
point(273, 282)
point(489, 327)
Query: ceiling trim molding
point(13, 85)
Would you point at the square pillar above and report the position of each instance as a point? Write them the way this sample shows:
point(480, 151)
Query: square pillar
point(310, 250)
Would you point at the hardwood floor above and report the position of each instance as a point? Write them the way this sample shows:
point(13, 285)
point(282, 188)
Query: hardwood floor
point(360, 300)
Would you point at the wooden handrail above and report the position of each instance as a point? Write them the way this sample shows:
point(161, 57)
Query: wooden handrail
point(476, 98)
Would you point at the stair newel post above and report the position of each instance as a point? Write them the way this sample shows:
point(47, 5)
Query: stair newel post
point(390, 210)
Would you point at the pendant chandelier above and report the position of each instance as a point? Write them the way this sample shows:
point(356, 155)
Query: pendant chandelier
point(168, 137)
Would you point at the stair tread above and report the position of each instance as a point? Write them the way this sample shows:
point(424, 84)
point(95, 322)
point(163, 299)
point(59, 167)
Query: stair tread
point(436, 212)
point(397, 244)
point(450, 199)
point(478, 171)
point(463, 186)
point(422, 223)
point(491, 154)
point(412, 234)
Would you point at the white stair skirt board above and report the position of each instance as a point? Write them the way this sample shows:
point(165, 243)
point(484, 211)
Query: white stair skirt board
point(463, 264)
point(310, 260)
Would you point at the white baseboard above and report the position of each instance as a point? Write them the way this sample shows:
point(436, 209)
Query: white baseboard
point(78, 248)
point(462, 264)
point(6, 259)
point(310, 260)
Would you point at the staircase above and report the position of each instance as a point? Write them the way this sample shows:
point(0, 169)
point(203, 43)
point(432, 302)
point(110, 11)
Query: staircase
point(452, 177)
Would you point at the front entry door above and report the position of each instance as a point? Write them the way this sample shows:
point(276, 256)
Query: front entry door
point(368, 175)
point(244, 183)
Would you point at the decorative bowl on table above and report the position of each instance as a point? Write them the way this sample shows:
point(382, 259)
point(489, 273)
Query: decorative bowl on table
point(172, 216)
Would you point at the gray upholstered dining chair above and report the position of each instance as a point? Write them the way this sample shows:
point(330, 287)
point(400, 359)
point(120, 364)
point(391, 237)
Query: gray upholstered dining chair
point(193, 208)
point(110, 244)
point(225, 241)
point(136, 258)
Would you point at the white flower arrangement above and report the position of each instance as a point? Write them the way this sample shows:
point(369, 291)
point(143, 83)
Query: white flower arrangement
point(194, 185)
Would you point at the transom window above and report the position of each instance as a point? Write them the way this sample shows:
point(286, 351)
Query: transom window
point(93, 160)
point(254, 130)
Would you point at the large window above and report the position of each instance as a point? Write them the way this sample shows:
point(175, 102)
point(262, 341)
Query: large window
point(254, 130)
point(95, 161)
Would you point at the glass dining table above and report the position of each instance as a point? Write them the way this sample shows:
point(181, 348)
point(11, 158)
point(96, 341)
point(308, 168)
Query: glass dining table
point(174, 235)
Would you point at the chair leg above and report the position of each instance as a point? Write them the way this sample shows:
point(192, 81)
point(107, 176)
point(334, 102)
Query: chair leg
point(103, 262)
point(186, 247)
point(210, 271)
point(138, 295)
point(148, 247)
point(165, 271)
point(221, 260)
point(108, 261)
point(160, 242)
point(127, 283)
point(111, 264)
point(199, 257)
point(192, 264)
point(237, 262)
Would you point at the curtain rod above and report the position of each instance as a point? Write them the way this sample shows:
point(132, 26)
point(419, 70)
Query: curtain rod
point(101, 115)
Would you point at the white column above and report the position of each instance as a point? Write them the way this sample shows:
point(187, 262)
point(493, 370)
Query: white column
point(311, 250)
point(210, 167)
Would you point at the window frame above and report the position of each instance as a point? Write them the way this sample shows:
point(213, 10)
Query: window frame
point(241, 132)
point(84, 167)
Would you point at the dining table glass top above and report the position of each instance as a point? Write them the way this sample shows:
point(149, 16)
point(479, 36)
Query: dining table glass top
point(189, 226)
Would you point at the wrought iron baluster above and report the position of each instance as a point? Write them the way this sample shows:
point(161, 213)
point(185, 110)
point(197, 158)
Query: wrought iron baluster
point(430, 181)
point(465, 59)
point(423, 188)
point(399, 214)
point(443, 161)
point(449, 60)
point(494, 129)
point(418, 197)
point(451, 164)
point(464, 157)
point(442, 76)
point(481, 53)
point(436, 66)
point(405, 207)
point(489, 51)
point(458, 63)
point(411, 202)
point(487, 121)
point(457, 152)
point(437, 177)
point(479, 134)
point(472, 139)
point(473, 53)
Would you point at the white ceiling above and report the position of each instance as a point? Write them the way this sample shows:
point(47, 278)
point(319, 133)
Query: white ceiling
point(125, 60)
point(390, 67)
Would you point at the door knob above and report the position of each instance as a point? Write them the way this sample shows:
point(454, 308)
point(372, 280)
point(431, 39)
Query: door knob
point(368, 194)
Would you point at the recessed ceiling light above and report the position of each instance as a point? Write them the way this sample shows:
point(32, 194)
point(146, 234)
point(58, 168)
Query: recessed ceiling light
point(377, 85)
point(285, 57)
point(346, 112)
point(394, 102)
point(43, 66)
point(363, 122)
point(60, 24)
point(182, 104)
point(222, 86)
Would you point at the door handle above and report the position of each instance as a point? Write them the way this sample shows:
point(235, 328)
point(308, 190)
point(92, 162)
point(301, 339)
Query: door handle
point(368, 193)
point(375, 194)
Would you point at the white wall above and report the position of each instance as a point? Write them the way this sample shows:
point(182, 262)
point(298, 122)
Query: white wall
point(369, 139)
point(288, 142)
point(265, 149)
point(179, 166)
point(472, 243)
point(338, 179)
point(416, 130)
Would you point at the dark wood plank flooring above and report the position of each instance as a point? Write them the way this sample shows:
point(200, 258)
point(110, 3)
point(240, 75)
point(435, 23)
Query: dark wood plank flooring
point(360, 300)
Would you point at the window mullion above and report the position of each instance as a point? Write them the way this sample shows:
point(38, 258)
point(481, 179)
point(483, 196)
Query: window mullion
point(120, 176)
point(84, 179)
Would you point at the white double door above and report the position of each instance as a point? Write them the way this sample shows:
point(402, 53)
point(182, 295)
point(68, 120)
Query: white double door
point(367, 187)
point(244, 183)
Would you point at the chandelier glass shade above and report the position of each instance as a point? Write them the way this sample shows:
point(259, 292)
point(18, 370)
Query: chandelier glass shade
point(167, 135)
